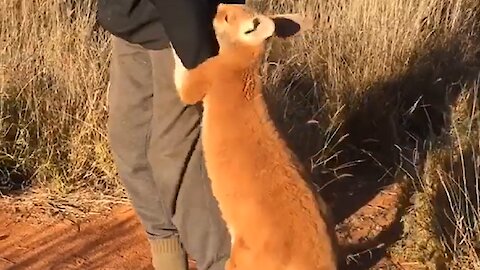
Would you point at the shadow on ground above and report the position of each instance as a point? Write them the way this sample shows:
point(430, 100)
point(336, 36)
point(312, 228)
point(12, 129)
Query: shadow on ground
point(116, 242)
point(387, 132)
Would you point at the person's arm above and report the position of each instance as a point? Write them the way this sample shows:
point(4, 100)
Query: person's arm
point(188, 24)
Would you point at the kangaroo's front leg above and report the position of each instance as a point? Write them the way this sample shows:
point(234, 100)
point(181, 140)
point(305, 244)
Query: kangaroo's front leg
point(191, 84)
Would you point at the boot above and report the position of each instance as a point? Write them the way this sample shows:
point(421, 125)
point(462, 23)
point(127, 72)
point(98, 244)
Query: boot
point(168, 254)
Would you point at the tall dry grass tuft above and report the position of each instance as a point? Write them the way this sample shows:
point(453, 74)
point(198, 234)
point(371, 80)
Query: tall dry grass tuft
point(458, 202)
point(365, 96)
point(441, 228)
point(53, 88)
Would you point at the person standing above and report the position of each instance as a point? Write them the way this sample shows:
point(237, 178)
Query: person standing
point(155, 138)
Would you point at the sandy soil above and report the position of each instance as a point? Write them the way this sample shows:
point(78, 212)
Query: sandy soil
point(115, 240)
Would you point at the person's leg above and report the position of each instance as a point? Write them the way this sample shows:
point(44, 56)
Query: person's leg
point(176, 158)
point(129, 126)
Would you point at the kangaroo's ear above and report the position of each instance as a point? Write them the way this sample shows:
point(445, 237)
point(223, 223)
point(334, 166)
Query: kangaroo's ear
point(287, 25)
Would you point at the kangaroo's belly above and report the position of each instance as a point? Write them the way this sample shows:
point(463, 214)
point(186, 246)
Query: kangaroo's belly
point(264, 201)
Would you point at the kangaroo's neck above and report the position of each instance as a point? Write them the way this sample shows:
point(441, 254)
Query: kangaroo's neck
point(246, 112)
point(242, 56)
point(229, 104)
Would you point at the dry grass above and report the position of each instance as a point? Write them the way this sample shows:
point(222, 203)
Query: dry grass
point(53, 84)
point(441, 228)
point(379, 87)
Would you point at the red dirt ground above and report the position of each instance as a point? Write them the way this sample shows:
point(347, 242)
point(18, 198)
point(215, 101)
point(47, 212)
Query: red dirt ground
point(116, 240)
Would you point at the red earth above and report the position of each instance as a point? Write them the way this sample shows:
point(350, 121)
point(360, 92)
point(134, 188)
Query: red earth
point(115, 240)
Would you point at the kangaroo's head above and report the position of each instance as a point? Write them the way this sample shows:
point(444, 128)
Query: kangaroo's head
point(237, 24)
point(241, 33)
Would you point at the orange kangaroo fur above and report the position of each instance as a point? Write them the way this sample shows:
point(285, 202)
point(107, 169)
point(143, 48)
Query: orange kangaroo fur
point(275, 219)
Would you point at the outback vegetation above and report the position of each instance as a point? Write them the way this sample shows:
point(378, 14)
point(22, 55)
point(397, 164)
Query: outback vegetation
point(380, 93)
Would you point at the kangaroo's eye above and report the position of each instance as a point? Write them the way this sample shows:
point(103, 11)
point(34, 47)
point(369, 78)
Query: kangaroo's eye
point(226, 18)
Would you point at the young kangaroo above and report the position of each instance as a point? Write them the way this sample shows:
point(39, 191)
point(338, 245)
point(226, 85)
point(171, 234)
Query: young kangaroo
point(275, 220)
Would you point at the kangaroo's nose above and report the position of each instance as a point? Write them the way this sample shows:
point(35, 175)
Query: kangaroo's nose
point(256, 22)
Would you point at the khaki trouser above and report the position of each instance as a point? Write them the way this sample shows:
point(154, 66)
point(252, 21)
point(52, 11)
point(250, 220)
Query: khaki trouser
point(157, 150)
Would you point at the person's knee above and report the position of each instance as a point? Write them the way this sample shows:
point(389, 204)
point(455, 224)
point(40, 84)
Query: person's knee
point(128, 146)
point(116, 127)
point(117, 135)
point(176, 148)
